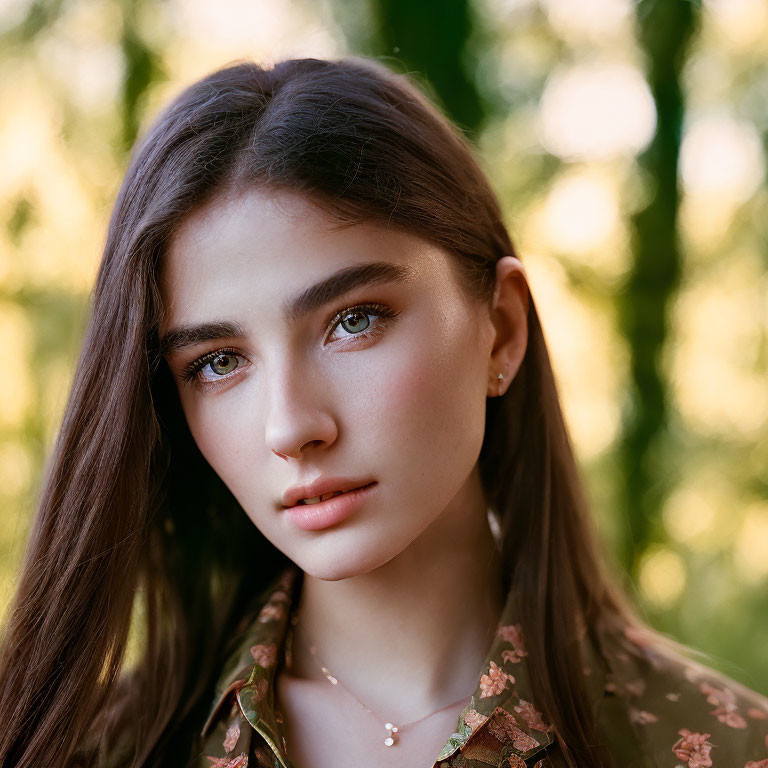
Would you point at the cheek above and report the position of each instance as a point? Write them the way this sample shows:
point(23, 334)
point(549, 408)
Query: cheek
point(218, 434)
point(430, 406)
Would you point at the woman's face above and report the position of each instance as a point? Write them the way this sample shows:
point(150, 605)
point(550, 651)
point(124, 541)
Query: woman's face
point(379, 382)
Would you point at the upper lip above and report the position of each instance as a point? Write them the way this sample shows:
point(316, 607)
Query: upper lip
point(318, 487)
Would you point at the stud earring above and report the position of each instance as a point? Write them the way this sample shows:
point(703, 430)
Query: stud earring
point(500, 378)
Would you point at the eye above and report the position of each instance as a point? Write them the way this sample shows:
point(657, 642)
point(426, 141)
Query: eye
point(365, 321)
point(221, 363)
point(355, 320)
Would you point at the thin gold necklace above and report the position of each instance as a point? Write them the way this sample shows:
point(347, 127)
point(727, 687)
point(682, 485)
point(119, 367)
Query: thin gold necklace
point(392, 730)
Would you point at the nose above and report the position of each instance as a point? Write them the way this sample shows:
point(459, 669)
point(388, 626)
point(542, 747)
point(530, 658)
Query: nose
point(298, 415)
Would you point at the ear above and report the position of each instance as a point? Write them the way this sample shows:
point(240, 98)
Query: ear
point(509, 316)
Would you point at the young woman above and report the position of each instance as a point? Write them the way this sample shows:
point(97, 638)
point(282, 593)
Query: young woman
point(314, 452)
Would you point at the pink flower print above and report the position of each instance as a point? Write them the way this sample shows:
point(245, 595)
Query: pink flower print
point(757, 714)
point(725, 702)
point(635, 687)
point(503, 726)
point(672, 696)
point(241, 761)
point(716, 696)
point(233, 734)
point(474, 719)
point(757, 763)
point(510, 657)
point(693, 749)
point(641, 716)
point(531, 715)
point(495, 681)
point(512, 634)
point(264, 655)
point(733, 719)
point(271, 611)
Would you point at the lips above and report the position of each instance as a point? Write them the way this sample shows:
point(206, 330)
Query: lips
point(321, 487)
point(331, 512)
point(317, 499)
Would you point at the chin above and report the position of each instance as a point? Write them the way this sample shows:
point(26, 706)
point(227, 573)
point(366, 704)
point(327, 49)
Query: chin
point(342, 564)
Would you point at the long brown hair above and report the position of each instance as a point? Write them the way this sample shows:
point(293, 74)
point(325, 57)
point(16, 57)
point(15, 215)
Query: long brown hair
point(131, 514)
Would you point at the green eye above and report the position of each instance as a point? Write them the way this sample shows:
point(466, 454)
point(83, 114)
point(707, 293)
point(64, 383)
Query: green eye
point(360, 322)
point(223, 364)
point(212, 367)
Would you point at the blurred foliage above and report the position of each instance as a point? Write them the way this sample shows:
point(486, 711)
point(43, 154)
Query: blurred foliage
point(627, 142)
point(142, 68)
point(665, 30)
point(400, 29)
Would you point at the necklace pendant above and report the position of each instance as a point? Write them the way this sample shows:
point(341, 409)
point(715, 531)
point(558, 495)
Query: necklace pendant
point(392, 729)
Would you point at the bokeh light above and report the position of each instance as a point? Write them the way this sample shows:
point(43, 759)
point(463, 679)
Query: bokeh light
point(596, 110)
point(16, 384)
point(717, 382)
point(589, 19)
point(751, 550)
point(581, 212)
point(721, 159)
point(662, 576)
point(742, 22)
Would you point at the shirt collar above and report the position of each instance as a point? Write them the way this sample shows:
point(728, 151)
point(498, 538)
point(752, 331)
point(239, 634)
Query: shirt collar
point(499, 722)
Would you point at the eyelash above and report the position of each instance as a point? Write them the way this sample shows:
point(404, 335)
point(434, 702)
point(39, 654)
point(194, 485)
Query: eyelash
point(191, 372)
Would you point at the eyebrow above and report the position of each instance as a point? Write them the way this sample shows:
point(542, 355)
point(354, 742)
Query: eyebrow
point(298, 306)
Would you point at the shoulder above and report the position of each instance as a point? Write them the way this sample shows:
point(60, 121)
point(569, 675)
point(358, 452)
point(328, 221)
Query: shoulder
point(682, 712)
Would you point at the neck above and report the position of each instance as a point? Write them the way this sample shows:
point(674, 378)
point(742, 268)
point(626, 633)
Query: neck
point(421, 624)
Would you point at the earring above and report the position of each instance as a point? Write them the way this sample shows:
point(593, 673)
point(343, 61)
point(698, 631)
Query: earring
point(500, 377)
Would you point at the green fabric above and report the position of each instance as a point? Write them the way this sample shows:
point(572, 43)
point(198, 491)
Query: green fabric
point(655, 706)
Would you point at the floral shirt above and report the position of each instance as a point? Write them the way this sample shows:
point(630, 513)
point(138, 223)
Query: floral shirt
point(654, 708)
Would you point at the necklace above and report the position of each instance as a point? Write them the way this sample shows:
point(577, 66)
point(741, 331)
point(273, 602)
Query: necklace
point(392, 730)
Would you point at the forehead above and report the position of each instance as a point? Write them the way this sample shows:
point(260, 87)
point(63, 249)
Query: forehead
point(263, 246)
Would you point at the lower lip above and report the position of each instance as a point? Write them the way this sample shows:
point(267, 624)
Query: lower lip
point(324, 514)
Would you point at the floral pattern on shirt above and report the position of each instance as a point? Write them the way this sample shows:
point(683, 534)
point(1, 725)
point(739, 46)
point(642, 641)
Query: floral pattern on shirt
point(241, 761)
point(494, 681)
point(512, 634)
point(655, 707)
point(693, 749)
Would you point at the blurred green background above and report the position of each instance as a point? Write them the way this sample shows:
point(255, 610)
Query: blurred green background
point(627, 140)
